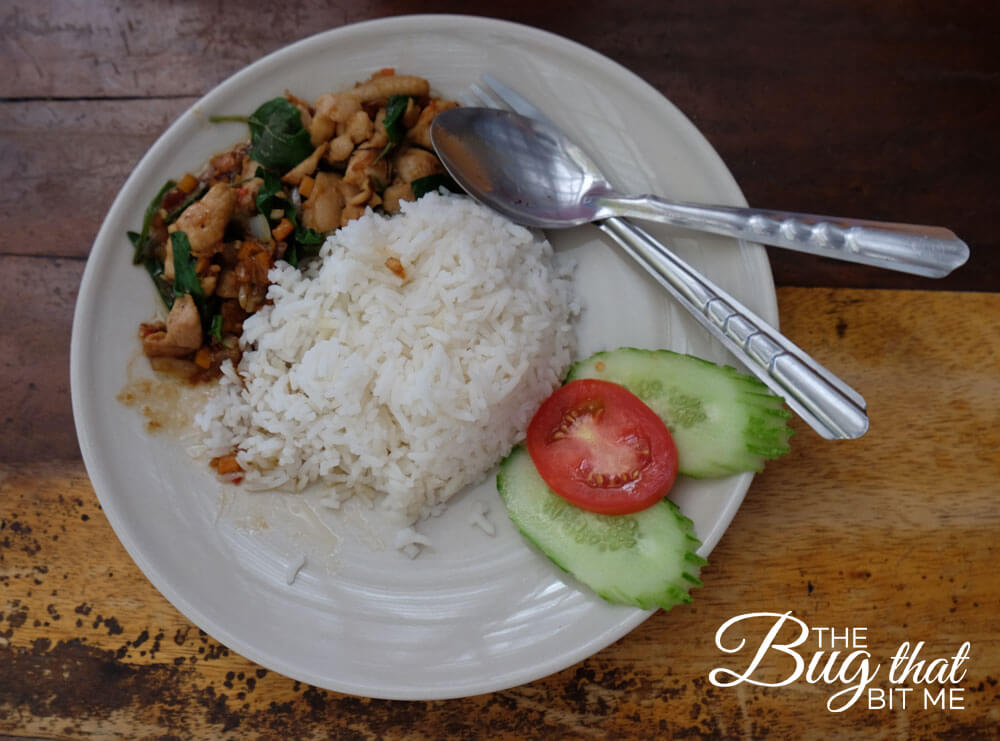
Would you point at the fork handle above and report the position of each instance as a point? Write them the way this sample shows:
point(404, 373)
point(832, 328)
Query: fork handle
point(827, 404)
point(929, 251)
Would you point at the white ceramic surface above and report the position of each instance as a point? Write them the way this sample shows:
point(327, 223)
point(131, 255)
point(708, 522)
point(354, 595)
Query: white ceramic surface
point(474, 613)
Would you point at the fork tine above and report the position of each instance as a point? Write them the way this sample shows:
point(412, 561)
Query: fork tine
point(475, 95)
point(472, 96)
point(512, 100)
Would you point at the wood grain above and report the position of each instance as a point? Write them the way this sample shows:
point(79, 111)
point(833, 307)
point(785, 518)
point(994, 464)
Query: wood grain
point(65, 162)
point(878, 110)
point(896, 532)
point(37, 296)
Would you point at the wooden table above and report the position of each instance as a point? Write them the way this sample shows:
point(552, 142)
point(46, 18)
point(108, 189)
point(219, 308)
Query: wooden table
point(889, 110)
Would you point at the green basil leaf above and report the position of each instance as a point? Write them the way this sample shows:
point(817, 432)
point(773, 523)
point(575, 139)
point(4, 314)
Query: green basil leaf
point(228, 119)
point(277, 139)
point(395, 107)
point(185, 278)
point(423, 186)
point(303, 242)
point(216, 327)
point(139, 245)
point(136, 239)
point(268, 198)
point(163, 287)
point(304, 235)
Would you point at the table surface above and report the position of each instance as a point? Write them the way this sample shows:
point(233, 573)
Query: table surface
point(887, 110)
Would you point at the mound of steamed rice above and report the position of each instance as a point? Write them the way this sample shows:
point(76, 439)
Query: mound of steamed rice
point(406, 389)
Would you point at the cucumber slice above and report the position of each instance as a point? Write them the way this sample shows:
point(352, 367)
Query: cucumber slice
point(646, 559)
point(723, 421)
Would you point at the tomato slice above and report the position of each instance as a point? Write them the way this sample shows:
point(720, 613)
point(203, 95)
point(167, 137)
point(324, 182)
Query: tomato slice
point(599, 446)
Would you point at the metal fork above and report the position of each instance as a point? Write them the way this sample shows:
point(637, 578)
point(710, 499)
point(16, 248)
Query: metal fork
point(831, 407)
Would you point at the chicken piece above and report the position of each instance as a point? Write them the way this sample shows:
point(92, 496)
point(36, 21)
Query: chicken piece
point(223, 166)
point(305, 110)
point(322, 210)
point(321, 128)
point(209, 278)
point(366, 164)
point(181, 335)
point(186, 370)
point(305, 167)
point(204, 222)
point(168, 260)
point(338, 107)
point(350, 213)
point(247, 188)
point(254, 260)
point(412, 163)
point(411, 115)
point(382, 87)
point(340, 149)
point(358, 127)
point(394, 194)
point(331, 109)
point(420, 132)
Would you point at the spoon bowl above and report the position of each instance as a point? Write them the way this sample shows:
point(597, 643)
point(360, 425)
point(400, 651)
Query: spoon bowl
point(518, 166)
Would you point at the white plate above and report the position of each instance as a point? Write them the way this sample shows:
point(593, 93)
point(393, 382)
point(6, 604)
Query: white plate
point(474, 614)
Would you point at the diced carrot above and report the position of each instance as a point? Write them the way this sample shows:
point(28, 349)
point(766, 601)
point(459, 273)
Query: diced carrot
point(396, 267)
point(187, 184)
point(306, 186)
point(226, 464)
point(203, 358)
point(282, 230)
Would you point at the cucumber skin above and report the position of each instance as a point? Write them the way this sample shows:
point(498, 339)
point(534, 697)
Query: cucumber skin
point(658, 571)
point(708, 447)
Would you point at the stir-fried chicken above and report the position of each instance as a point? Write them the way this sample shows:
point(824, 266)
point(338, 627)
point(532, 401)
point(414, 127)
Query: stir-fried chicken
point(370, 148)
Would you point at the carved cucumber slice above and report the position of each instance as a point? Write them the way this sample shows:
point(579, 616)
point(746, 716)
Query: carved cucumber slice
point(723, 421)
point(646, 559)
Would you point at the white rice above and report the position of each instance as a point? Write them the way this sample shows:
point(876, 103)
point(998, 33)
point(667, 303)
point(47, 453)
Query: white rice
point(405, 389)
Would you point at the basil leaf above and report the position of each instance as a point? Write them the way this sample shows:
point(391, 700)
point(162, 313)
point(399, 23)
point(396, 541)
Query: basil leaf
point(395, 107)
point(216, 327)
point(303, 234)
point(267, 193)
point(185, 278)
point(431, 183)
point(277, 139)
point(139, 254)
point(140, 245)
point(153, 267)
point(163, 287)
point(305, 242)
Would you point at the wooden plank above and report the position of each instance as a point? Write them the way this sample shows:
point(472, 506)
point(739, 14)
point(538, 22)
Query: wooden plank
point(896, 532)
point(890, 118)
point(37, 296)
point(63, 163)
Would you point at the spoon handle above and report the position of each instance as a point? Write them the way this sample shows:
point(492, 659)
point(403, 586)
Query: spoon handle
point(827, 404)
point(930, 251)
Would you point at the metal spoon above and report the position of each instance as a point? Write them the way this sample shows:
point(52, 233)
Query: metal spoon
point(530, 172)
point(826, 403)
